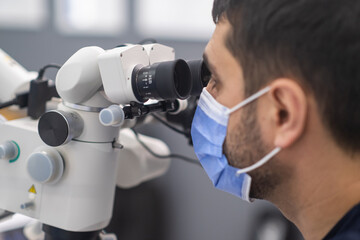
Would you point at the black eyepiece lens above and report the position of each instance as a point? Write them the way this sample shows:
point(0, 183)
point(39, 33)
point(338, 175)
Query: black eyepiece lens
point(200, 76)
point(163, 80)
point(182, 79)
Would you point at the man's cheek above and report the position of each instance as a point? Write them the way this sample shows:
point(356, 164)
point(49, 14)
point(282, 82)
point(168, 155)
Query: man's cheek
point(234, 120)
point(230, 143)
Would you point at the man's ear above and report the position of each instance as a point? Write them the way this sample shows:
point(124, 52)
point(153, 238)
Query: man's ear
point(290, 109)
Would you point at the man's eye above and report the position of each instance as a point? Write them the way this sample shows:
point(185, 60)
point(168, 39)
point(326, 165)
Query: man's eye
point(206, 79)
point(212, 87)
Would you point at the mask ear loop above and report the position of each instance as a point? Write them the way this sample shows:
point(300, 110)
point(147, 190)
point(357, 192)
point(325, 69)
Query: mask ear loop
point(259, 163)
point(249, 99)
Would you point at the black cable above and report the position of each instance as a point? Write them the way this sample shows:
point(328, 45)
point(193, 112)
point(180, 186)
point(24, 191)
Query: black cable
point(43, 69)
point(169, 125)
point(22, 99)
point(8, 103)
point(189, 160)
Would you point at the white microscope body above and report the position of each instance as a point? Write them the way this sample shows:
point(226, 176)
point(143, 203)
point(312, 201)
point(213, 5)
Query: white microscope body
point(13, 77)
point(66, 177)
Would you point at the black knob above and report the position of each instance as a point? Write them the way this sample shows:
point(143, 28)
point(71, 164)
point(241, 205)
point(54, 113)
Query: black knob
point(57, 127)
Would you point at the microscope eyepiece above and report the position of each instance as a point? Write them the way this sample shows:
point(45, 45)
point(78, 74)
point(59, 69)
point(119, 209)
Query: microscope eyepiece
point(200, 76)
point(163, 80)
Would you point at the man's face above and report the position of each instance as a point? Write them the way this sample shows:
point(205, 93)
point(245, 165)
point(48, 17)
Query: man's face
point(243, 145)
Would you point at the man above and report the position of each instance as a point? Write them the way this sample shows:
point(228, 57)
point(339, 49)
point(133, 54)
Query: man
point(294, 139)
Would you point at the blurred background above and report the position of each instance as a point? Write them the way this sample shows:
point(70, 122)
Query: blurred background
point(182, 204)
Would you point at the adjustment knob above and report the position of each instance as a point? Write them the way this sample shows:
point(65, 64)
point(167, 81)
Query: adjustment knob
point(112, 116)
point(45, 165)
point(9, 150)
point(58, 127)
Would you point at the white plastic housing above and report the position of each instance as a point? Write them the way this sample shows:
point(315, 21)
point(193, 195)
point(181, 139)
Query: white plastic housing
point(136, 165)
point(159, 53)
point(116, 67)
point(82, 199)
point(13, 77)
point(79, 78)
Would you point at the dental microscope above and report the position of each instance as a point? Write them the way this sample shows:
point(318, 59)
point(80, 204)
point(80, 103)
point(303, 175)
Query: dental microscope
point(60, 164)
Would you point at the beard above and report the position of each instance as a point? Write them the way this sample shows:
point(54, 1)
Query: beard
point(244, 146)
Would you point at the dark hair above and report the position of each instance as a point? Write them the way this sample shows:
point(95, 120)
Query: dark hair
point(315, 42)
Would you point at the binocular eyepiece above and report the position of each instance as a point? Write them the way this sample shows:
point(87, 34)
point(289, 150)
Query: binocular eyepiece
point(176, 79)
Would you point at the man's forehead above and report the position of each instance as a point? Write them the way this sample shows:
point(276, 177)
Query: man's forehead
point(216, 45)
point(222, 29)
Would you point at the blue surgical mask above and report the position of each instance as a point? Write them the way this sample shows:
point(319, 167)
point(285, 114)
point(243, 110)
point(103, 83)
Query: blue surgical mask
point(208, 133)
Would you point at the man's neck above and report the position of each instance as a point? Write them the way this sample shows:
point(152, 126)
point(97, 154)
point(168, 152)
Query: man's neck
point(316, 201)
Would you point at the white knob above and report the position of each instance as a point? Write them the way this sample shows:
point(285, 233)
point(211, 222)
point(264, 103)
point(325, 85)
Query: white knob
point(45, 165)
point(182, 105)
point(112, 116)
point(9, 150)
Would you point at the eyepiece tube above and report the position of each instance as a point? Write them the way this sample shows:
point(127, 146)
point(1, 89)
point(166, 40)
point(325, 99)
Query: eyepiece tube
point(200, 76)
point(163, 80)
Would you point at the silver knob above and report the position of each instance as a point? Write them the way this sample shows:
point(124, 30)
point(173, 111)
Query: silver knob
point(57, 127)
